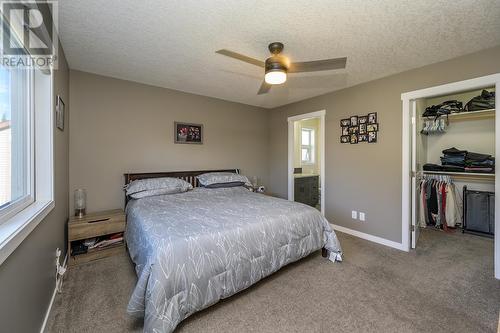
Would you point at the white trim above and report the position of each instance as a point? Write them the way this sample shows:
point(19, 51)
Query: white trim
point(447, 89)
point(455, 87)
point(405, 196)
point(52, 299)
point(497, 182)
point(317, 114)
point(371, 238)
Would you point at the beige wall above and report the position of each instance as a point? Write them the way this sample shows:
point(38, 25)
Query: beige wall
point(120, 126)
point(27, 277)
point(367, 177)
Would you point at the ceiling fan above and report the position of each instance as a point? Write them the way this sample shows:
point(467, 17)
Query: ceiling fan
point(277, 66)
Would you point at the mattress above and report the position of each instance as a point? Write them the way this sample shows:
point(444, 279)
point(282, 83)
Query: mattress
point(192, 249)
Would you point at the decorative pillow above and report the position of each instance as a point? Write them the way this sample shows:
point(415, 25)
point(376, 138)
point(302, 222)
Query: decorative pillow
point(222, 178)
point(156, 186)
point(221, 185)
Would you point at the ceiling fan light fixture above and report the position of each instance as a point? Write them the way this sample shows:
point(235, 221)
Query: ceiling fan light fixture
point(275, 77)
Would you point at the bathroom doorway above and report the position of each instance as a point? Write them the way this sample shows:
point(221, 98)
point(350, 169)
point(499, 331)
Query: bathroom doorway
point(306, 159)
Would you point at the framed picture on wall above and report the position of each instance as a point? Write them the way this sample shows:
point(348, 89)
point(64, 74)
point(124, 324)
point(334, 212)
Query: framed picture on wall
point(345, 122)
point(345, 130)
point(362, 137)
point(362, 128)
point(372, 137)
point(354, 138)
point(372, 118)
point(354, 120)
point(353, 129)
point(372, 128)
point(188, 133)
point(344, 139)
point(60, 113)
point(362, 119)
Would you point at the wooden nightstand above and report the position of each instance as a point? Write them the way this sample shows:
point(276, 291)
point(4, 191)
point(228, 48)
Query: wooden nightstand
point(95, 225)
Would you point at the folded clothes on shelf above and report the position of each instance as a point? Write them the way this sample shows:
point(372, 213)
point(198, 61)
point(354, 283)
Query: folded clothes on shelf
point(432, 167)
point(454, 151)
point(446, 168)
point(456, 160)
point(479, 169)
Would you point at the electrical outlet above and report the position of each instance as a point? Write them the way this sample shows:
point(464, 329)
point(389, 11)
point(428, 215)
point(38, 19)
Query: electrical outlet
point(361, 216)
point(354, 214)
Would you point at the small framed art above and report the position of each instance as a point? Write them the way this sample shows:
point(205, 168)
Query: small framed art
point(372, 137)
point(372, 118)
point(363, 138)
point(372, 128)
point(188, 133)
point(345, 130)
point(354, 120)
point(345, 122)
point(363, 119)
point(354, 138)
point(362, 128)
point(60, 113)
point(344, 139)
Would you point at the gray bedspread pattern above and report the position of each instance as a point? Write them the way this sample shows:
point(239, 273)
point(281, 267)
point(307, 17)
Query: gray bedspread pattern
point(193, 249)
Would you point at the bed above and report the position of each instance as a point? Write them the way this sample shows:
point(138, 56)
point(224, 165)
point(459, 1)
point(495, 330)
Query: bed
point(192, 249)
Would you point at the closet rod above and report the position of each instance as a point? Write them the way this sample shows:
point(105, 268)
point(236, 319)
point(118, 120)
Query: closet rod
point(466, 176)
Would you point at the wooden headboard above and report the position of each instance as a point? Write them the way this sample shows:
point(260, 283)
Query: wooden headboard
point(189, 176)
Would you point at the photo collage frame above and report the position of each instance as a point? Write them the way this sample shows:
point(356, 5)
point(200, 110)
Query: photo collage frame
point(356, 129)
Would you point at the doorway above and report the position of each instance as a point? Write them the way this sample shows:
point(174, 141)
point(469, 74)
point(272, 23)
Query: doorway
point(465, 131)
point(306, 159)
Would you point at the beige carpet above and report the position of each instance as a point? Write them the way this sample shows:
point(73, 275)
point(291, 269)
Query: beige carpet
point(447, 285)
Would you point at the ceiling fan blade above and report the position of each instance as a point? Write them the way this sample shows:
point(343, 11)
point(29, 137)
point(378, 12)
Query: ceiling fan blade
point(264, 88)
point(241, 57)
point(317, 65)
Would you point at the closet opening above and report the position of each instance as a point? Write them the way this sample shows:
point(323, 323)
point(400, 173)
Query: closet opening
point(449, 170)
point(306, 159)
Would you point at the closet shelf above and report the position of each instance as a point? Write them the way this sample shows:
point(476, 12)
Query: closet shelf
point(472, 115)
point(463, 175)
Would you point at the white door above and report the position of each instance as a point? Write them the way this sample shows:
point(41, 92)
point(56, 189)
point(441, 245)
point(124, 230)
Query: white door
point(415, 231)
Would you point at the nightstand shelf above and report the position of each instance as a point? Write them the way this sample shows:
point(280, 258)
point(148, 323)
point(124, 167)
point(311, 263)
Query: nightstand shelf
point(99, 224)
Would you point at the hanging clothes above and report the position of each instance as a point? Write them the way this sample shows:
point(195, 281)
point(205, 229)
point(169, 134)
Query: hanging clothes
point(438, 204)
point(453, 207)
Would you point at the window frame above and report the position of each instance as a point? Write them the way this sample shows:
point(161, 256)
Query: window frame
point(8, 210)
point(21, 221)
point(310, 147)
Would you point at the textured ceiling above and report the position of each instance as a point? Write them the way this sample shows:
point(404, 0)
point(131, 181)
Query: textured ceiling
point(172, 44)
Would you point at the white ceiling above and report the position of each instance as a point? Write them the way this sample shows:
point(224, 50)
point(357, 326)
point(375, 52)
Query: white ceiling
point(172, 44)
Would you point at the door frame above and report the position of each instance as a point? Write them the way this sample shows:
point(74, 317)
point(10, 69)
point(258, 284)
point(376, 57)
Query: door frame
point(408, 151)
point(291, 120)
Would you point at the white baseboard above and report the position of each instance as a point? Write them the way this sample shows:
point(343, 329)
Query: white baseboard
point(47, 314)
point(369, 237)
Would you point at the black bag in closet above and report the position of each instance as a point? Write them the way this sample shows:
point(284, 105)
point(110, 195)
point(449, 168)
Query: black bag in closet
point(484, 101)
point(479, 212)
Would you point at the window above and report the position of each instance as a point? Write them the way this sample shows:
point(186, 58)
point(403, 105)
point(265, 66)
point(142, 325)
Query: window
point(26, 137)
point(16, 141)
point(307, 145)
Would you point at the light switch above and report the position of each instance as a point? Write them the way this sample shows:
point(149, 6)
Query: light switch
point(361, 216)
point(354, 214)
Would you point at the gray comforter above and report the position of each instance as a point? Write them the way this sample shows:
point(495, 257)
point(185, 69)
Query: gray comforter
point(195, 248)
